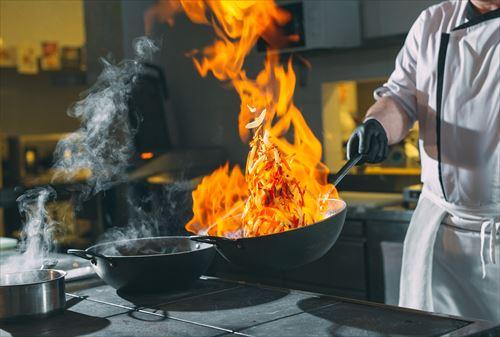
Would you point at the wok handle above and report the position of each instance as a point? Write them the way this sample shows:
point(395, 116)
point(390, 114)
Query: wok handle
point(213, 240)
point(346, 168)
point(87, 255)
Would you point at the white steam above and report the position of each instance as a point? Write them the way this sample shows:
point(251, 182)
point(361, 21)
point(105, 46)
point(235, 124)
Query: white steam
point(99, 151)
point(157, 214)
point(37, 237)
point(103, 143)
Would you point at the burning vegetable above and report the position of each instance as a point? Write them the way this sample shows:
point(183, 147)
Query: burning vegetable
point(276, 199)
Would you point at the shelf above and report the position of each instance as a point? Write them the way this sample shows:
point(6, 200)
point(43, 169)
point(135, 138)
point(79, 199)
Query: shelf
point(392, 170)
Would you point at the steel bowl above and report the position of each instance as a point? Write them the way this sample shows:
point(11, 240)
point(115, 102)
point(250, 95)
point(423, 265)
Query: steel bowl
point(32, 293)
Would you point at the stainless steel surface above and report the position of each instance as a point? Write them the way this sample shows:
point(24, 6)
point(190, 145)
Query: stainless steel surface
point(81, 273)
point(31, 293)
point(49, 264)
point(370, 200)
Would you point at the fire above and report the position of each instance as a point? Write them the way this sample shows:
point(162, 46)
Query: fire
point(218, 203)
point(285, 181)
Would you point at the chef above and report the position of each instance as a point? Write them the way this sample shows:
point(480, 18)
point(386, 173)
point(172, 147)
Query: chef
point(447, 78)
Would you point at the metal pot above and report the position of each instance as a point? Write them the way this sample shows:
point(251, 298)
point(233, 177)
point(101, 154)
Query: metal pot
point(32, 293)
point(149, 264)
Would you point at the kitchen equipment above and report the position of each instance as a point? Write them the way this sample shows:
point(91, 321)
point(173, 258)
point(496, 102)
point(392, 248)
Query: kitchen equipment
point(7, 243)
point(346, 168)
point(289, 249)
point(149, 264)
point(32, 293)
point(148, 114)
point(215, 307)
point(412, 193)
point(49, 264)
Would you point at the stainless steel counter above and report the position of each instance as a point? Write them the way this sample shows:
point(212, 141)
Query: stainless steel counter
point(376, 206)
point(388, 213)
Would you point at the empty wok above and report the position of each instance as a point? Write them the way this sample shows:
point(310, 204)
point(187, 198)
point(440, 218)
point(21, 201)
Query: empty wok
point(289, 249)
point(149, 264)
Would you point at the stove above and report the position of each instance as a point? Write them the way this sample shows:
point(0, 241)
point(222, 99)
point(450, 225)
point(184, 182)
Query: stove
point(215, 307)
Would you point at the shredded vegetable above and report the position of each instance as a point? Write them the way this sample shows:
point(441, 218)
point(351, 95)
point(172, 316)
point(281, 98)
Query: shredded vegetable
point(275, 198)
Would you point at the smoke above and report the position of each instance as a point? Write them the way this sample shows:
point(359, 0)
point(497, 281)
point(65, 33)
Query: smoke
point(161, 212)
point(37, 237)
point(101, 148)
point(97, 154)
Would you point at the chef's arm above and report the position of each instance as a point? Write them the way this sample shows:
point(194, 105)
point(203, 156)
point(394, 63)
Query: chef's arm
point(392, 117)
point(395, 110)
point(386, 123)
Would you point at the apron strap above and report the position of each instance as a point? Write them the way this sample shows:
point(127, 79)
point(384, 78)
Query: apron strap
point(493, 229)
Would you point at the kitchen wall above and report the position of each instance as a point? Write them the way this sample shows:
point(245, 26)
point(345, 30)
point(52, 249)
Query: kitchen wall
point(207, 110)
point(34, 21)
point(33, 103)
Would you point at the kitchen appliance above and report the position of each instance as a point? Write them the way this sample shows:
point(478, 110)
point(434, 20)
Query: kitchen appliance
point(32, 293)
point(149, 264)
point(411, 194)
point(154, 125)
point(289, 249)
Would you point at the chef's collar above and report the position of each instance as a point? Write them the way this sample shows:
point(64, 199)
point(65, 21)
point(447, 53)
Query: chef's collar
point(471, 12)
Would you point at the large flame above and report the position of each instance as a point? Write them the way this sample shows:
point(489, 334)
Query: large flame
point(226, 203)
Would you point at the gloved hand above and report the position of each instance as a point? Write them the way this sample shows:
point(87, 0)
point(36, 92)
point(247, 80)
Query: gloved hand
point(370, 140)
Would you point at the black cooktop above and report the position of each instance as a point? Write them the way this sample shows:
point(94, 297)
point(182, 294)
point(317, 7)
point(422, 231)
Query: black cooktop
point(213, 307)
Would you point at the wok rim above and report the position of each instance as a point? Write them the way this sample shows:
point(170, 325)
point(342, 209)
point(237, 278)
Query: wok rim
point(209, 246)
point(62, 275)
point(221, 238)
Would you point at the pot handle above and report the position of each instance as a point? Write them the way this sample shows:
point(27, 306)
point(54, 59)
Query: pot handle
point(204, 239)
point(214, 240)
point(88, 255)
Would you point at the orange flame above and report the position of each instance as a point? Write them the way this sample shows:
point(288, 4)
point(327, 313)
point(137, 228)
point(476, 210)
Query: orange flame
point(218, 203)
point(228, 203)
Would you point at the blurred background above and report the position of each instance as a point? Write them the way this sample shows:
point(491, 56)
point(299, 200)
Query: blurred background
point(49, 55)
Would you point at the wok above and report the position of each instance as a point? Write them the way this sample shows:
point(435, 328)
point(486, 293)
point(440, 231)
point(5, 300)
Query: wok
point(149, 264)
point(289, 249)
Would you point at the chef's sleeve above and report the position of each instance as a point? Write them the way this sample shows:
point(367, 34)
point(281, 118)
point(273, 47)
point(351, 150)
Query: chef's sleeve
point(401, 85)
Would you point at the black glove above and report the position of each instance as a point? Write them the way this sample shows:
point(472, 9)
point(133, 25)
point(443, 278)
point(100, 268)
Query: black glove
point(370, 140)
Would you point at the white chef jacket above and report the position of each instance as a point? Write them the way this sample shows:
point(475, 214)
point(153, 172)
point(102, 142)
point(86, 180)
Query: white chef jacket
point(447, 78)
point(459, 141)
